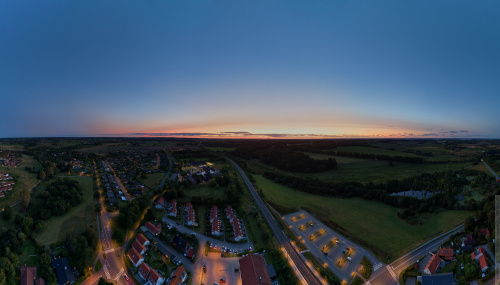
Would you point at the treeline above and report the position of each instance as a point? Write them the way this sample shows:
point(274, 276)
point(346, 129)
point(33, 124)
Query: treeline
point(129, 214)
point(285, 159)
point(58, 198)
point(446, 185)
point(407, 159)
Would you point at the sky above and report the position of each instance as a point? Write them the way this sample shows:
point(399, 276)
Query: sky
point(253, 69)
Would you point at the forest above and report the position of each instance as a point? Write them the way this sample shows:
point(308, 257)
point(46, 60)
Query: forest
point(57, 199)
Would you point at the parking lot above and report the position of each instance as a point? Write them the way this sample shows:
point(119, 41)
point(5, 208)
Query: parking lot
point(339, 254)
point(218, 268)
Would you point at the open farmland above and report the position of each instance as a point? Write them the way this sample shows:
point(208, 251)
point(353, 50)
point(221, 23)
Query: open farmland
point(364, 170)
point(374, 223)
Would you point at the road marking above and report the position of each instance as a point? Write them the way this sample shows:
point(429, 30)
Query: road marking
point(109, 250)
point(377, 266)
point(391, 272)
point(119, 274)
point(368, 283)
point(108, 276)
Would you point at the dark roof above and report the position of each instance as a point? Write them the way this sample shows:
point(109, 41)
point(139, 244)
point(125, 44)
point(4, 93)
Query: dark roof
point(270, 271)
point(438, 279)
point(165, 251)
point(253, 270)
point(180, 242)
point(63, 269)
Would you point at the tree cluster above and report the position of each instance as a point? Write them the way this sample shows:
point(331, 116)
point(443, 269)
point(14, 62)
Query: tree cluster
point(58, 198)
point(286, 159)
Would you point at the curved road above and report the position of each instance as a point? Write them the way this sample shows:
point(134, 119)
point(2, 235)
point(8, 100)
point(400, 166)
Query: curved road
point(302, 269)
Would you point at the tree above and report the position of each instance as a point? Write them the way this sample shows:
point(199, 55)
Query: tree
point(470, 271)
point(42, 175)
point(7, 214)
point(25, 198)
point(469, 223)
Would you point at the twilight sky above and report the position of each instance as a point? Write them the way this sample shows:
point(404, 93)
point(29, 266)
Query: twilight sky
point(253, 69)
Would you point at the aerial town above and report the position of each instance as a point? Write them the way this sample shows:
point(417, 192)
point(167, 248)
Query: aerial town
point(253, 142)
point(203, 212)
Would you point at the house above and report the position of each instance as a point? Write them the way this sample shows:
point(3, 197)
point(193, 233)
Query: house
point(64, 271)
point(469, 240)
point(446, 253)
point(433, 265)
point(154, 278)
point(484, 232)
point(188, 206)
point(480, 256)
point(135, 257)
point(229, 211)
point(179, 276)
point(272, 274)
point(215, 227)
point(172, 209)
point(161, 248)
point(191, 220)
point(2, 195)
point(237, 232)
point(139, 247)
point(190, 253)
point(253, 270)
point(142, 239)
point(155, 230)
point(29, 277)
point(437, 279)
point(160, 203)
point(180, 243)
point(144, 271)
point(214, 213)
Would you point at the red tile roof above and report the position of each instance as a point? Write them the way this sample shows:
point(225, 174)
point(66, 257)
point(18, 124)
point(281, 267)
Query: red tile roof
point(213, 212)
point(177, 275)
point(28, 275)
point(141, 239)
point(433, 264)
point(446, 253)
point(134, 256)
point(190, 253)
point(484, 232)
point(153, 276)
point(477, 253)
point(160, 201)
point(216, 225)
point(154, 229)
point(483, 263)
point(191, 216)
point(144, 270)
point(138, 246)
point(253, 270)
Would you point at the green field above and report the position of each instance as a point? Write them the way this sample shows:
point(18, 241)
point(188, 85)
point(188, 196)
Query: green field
point(204, 190)
point(153, 180)
point(27, 250)
point(374, 150)
point(75, 220)
point(23, 179)
point(220, 148)
point(364, 170)
point(371, 222)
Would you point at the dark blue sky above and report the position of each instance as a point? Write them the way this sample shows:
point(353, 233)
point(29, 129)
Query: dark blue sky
point(332, 68)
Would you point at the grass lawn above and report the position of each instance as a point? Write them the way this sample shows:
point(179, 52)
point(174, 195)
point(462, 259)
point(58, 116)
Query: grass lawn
point(75, 220)
point(204, 190)
point(482, 167)
point(153, 180)
point(27, 250)
point(372, 222)
point(364, 170)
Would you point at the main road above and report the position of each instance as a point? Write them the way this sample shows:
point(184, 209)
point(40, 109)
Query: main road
point(389, 274)
point(491, 170)
point(304, 272)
